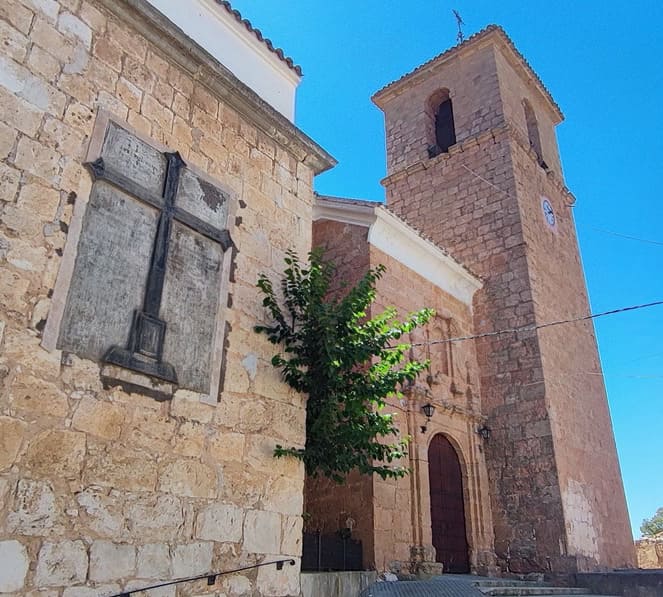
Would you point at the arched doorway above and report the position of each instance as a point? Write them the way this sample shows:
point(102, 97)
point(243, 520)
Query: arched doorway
point(447, 506)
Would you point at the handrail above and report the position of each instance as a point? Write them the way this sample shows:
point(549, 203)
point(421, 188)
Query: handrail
point(211, 577)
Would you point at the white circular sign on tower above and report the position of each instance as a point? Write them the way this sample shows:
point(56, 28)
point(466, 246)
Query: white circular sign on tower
point(548, 213)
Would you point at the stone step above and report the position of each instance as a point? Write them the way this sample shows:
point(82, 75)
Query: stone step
point(518, 590)
point(508, 582)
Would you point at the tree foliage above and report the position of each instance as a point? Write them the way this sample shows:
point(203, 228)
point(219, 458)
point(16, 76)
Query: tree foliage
point(653, 526)
point(346, 363)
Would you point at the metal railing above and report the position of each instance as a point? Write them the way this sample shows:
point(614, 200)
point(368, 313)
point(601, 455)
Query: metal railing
point(211, 577)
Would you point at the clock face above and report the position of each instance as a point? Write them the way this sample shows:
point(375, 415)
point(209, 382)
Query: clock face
point(548, 212)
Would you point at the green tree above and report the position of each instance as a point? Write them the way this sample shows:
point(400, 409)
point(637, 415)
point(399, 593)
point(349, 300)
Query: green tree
point(346, 363)
point(653, 526)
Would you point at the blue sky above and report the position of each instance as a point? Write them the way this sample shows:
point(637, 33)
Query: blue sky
point(602, 61)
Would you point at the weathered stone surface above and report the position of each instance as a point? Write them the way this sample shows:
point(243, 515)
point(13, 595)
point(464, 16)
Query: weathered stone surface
point(13, 566)
point(11, 436)
point(192, 559)
point(101, 418)
point(35, 395)
point(292, 535)
point(193, 277)
point(110, 273)
point(101, 512)
point(112, 466)
point(187, 405)
point(262, 532)
point(272, 582)
point(61, 564)
point(56, 454)
point(155, 518)
point(153, 561)
point(97, 591)
point(110, 561)
point(35, 510)
point(188, 478)
point(220, 522)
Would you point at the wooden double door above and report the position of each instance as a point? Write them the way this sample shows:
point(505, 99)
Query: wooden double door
point(447, 506)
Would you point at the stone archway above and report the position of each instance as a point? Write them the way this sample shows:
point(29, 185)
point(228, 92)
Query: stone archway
point(447, 506)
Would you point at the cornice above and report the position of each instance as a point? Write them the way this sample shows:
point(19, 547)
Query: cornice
point(204, 68)
point(391, 235)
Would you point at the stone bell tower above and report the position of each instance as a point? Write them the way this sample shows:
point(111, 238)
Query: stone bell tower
point(473, 164)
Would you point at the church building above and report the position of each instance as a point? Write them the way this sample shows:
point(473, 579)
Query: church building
point(150, 171)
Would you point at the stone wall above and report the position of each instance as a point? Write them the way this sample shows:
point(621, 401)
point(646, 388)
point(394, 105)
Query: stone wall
point(101, 489)
point(392, 517)
point(649, 552)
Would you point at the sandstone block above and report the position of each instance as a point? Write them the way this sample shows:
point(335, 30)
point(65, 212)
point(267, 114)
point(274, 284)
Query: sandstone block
point(37, 159)
point(38, 396)
point(13, 566)
point(98, 417)
point(188, 478)
point(12, 290)
point(9, 177)
point(61, 564)
point(12, 432)
point(272, 582)
point(71, 26)
point(48, 8)
point(16, 15)
point(109, 589)
point(285, 495)
point(13, 41)
point(102, 513)
point(192, 559)
point(226, 447)
point(56, 454)
point(291, 543)
point(153, 561)
point(262, 532)
point(220, 522)
point(110, 561)
point(35, 510)
point(187, 405)
point(156, 518)
point(152, 430)
point(111, 466)
point(40, 200)
point(189, 439)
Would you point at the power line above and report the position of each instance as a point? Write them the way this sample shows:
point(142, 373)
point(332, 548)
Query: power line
point(532, 327)
point(642, 240)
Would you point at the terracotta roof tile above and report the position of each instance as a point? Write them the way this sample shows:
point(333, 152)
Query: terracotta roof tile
point(469, 41)
point(268, 42)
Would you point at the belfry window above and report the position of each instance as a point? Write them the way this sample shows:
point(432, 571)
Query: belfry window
point(533, 133)
point(445, 132)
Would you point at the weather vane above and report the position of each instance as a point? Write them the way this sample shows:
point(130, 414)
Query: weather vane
point(459, 21)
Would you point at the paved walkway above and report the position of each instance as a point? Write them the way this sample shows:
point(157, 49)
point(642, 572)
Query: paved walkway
point(440, 586)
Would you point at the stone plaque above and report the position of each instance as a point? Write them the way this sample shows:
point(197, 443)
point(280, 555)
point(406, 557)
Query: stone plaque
point(111, 267)
point(189, 305)
point(146, 286)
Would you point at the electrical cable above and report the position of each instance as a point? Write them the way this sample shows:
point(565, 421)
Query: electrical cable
point(532, 327)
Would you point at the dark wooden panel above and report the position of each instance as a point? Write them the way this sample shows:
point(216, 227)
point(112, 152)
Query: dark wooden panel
point(447, 506)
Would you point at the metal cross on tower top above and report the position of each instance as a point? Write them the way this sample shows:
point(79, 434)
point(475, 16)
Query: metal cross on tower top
point(144, 350)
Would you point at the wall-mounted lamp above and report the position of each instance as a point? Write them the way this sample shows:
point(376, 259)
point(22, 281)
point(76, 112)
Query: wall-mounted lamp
point(484, 432)
point(429, 410)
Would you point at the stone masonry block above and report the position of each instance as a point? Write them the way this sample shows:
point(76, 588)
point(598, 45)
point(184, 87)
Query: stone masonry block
point(110, 561)
point(61, 564)
point(13, 566)
point(220, 522)
point(192, 559)
point(262, 532)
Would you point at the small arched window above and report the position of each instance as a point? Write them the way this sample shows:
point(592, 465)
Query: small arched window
point(445, 132)
point(533, 132)
point(441, 113)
